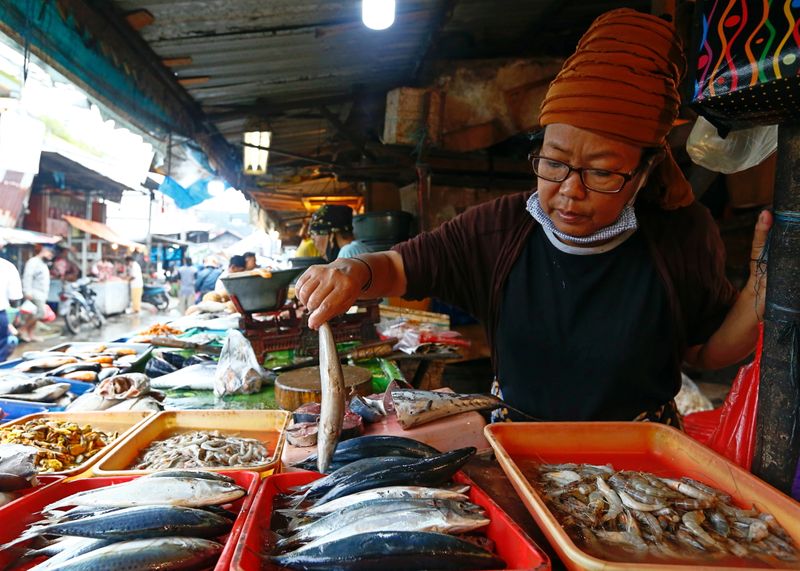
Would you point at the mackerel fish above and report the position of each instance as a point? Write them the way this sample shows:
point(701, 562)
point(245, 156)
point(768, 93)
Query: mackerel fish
point(161, 554)
point(187, 492)
point(390, 492)
point(370, 446)
point(392, 551)
point(445, 516)
point(408, 471)
point(138, 523)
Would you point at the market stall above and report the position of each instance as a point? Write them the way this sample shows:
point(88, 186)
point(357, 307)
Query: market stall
point(151, 407)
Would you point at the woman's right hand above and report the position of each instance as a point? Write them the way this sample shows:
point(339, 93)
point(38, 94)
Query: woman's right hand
point(330, 290)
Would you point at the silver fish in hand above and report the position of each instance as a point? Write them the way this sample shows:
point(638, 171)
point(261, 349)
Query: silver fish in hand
point(332, 387)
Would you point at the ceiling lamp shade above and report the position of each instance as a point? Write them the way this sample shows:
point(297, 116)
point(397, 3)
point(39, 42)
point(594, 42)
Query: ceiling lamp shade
point(377, 14)
point(255, 159)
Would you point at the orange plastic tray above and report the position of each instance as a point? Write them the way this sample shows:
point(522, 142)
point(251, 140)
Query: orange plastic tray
point(268, 426)
point(124, 423)
point(17, 515)
point(643, 446)
point(511, 543)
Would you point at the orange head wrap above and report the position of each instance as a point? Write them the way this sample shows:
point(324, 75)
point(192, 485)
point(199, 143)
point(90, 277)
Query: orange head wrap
point(622, 82)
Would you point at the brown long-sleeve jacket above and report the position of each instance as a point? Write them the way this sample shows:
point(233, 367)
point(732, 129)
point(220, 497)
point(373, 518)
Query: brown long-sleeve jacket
point(467, 260)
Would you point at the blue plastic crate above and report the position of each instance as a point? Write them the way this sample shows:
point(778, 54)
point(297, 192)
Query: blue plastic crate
point(15, 409)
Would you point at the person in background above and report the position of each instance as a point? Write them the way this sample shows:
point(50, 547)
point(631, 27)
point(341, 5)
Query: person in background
point(63, 267)
point(187, 274)
point(306, 249)
point(236, 264)
point(10, 296)
point(36, 287)
point(137, 284)
point(331, 229)
point(206, 278)
point(598, 284)
point(250, 261)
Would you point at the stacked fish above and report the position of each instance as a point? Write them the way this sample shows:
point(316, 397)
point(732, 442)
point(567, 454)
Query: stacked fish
point(87, 364)
point(385, 507)
point(163, 521)
point(202, 449)
point(32, 388)
point(624, 515)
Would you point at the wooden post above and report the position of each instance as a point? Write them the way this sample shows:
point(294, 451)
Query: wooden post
point(778, 425)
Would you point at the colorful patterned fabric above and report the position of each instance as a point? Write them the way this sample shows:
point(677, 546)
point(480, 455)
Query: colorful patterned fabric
point(748, 62)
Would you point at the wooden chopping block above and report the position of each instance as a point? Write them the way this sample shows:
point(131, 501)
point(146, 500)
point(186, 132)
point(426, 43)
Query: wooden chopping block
point(300, 386)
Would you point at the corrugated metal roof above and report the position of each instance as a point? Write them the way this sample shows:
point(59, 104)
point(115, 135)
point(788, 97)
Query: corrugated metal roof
point(284, 58)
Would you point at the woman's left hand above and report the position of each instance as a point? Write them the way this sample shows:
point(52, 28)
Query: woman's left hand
point(758, 271)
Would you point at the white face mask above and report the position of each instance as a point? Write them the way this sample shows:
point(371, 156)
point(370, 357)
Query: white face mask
point(625, 222)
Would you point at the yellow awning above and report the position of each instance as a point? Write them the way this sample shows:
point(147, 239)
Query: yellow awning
point(102, 231)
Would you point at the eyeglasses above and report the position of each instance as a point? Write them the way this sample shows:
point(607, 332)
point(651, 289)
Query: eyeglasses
point(597, 180)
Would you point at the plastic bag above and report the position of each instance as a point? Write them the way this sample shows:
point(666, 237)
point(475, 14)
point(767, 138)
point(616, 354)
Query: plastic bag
point(28, 307)
point(238, 370)
point(739, 151)
point(734, 432)
point(690, 399)
point(49, 314)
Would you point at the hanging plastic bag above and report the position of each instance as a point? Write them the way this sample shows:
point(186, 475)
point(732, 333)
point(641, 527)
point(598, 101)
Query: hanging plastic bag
point(734, 435)
point(49, 314)
point(238, 370)
point(738, 151)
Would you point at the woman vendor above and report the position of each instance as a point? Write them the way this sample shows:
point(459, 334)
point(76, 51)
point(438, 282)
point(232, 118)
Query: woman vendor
point(594, 288)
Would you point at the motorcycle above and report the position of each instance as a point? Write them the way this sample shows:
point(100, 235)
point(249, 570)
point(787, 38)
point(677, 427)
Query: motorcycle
point(156, 295)
point(78, 306)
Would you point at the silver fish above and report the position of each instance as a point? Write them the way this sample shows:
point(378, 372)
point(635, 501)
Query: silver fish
point(21, 383)
point(45, 363)
point(162, 554)
point(351, 514)
point(47, 393)
point(332, 403)
point(137, 523)
point(388, 492)
point(188, 492)
point(70, 548)
point(441, 519)
point(415, 407)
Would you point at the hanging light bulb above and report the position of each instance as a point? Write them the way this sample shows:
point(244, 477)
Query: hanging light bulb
point(377, 14)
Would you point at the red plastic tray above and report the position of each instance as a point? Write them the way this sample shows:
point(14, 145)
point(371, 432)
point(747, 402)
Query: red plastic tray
point(511, 543)
point(18, 514)
point(43, 481)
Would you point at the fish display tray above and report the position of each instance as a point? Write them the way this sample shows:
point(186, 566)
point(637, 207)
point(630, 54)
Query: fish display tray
point(640, 446)
point(44, 480)
point(124, 423)
point(511, 543)
point(268, 426)
point(18, 514)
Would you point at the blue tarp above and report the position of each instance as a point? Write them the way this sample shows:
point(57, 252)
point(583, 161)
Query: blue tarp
point(186, 197)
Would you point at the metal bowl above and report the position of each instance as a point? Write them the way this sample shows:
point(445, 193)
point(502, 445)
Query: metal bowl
point(258, 293)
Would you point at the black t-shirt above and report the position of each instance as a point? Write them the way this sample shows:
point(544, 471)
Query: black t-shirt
point(585, 337)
